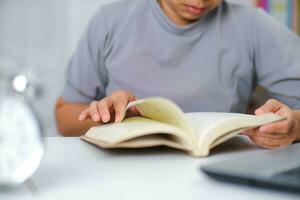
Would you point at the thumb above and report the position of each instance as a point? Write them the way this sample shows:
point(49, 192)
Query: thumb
point(249, 132)
point(271, 105)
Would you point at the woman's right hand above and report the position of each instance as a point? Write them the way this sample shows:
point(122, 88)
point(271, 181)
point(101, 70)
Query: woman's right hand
point(110, 108)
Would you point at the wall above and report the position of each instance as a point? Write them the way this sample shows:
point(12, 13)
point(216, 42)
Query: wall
point(42, 34)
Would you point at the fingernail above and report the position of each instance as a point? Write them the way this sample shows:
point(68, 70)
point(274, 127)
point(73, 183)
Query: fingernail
point(80, 118)
point(105, 118)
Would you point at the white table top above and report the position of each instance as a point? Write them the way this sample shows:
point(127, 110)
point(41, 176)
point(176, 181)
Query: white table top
point(73, 169)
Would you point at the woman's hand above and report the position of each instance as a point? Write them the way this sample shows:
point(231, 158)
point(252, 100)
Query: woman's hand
point(114, 105)
point(277, 134)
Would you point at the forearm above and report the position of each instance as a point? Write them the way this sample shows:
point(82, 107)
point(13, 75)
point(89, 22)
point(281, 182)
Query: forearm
point(67, 119)
point(297, 124)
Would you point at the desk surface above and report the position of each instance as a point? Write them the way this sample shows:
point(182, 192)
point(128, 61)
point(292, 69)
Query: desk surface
point(74, 169)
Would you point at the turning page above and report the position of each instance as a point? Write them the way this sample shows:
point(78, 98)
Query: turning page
point(215, 128)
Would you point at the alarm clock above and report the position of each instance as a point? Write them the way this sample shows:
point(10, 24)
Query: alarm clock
point(21, 141)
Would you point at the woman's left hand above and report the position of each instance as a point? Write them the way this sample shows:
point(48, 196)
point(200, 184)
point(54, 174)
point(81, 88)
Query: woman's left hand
point(278, 134)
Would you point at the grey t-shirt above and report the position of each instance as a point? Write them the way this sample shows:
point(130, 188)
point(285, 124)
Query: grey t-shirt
point(212, 64)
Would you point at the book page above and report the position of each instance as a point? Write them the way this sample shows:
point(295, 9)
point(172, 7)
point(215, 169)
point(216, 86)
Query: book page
point(116, 133)
point(205, 121)
point(215, 128)
point(141, 142)
point(233, 127)
point(165, 111)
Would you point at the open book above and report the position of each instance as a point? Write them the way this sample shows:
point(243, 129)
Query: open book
point(162, 122)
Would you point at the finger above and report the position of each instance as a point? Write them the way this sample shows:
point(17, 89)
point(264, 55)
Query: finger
point(128, 95)
point(134, 110)
point(278, 127)
point(252, 133)
point(84, 115)
point(131, 97)
point(94, 111)
point(103, 108)
point(256, 132)
point(120, 108)
point(259, 111)
point(270, 143)
point(271, 105)
point(262, 142)
point(276, 144)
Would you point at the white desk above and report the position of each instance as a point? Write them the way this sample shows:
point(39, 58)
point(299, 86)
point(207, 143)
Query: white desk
point(73, 169)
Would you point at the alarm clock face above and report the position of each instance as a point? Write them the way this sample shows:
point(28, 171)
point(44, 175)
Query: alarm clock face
point(21, 145)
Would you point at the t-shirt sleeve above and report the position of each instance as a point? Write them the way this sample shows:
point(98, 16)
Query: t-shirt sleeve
point(86, 75)
point(277, 59)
